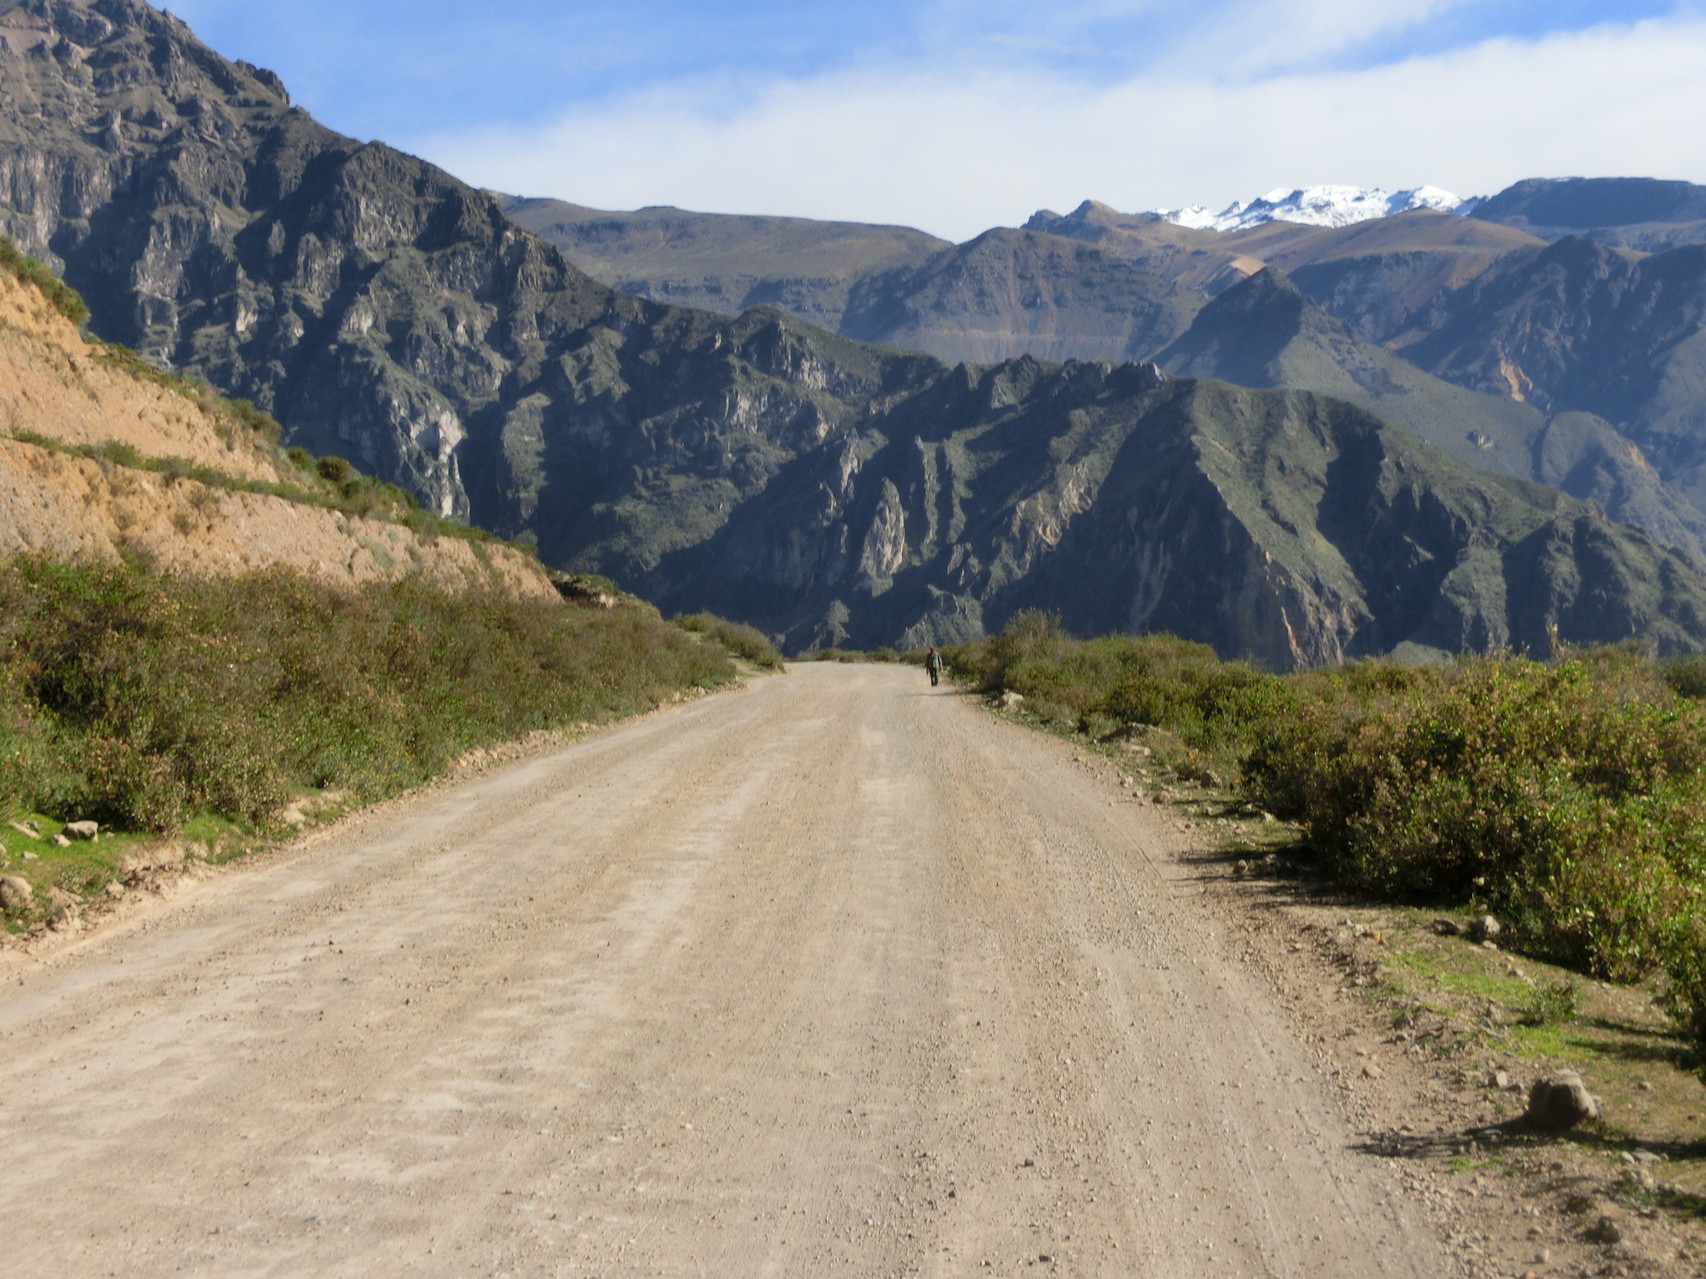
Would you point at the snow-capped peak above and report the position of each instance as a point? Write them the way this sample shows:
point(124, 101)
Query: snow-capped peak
point(1317, 206)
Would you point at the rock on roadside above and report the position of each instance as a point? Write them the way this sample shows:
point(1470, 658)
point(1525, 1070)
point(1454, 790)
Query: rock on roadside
point(1560, 1101)
point(1486, 928)
point(15, 892)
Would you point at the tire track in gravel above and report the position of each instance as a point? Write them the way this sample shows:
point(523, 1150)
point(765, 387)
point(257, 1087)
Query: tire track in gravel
point(839, 975)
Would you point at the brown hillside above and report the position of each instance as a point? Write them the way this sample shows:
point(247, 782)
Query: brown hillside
point(59, 393)
point(55, 384)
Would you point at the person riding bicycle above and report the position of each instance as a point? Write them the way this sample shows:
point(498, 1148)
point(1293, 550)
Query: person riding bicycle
point(933, 663)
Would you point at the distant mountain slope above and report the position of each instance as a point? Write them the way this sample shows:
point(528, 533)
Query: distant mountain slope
point(1436, 289)
point(1264, 332)
point(723, 262)
point(1635, 213)
point(1438, 250)
point(1581, 326)
point(1003, 294)
point(1285, 526)
point(1011, 293)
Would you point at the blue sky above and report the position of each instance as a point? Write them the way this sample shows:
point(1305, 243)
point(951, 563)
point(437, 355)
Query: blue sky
point(955, 115)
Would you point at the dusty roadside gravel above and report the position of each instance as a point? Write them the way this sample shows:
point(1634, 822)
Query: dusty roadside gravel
point(836, 976)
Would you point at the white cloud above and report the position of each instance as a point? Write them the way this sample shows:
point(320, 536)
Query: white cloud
point(1251, 36)
point(956, 152)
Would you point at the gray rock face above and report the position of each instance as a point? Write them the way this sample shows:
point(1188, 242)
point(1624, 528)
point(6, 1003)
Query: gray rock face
point(1559, 1102)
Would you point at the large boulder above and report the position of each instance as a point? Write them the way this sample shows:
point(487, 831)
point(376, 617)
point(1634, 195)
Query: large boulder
point(15, 893)
point(1560, 1101)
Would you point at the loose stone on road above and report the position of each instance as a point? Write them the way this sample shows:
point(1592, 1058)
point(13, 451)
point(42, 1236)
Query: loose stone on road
point(839, 975)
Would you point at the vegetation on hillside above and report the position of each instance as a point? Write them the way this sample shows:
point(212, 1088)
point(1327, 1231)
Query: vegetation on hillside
point(65, 299)
point(745, 642)
point(1568, 797)
point(141, 700)
point(912, 656)
point(328, 482)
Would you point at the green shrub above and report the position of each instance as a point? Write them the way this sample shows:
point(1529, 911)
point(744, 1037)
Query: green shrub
point(746, 642)
point(65, 299)
point(336, 470)
point(261, 424)
point(1572, 808)
point(1551, 1004)
point(120, 453)
point(141, 700)
point(1685, 964)
point(1686, 675)
point(1208, 706)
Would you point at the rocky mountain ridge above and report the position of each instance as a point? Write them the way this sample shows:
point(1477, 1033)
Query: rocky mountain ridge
point(1645, 214)
point(1284, 526)
point(829, 490)
point(1508, 304)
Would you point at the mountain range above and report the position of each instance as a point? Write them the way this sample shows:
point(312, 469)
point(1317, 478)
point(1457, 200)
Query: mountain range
point(788, 450)
point(1516, 304)
point(1316, 206)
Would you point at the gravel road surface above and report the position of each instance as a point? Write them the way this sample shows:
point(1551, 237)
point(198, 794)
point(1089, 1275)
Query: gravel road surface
point(839, 975)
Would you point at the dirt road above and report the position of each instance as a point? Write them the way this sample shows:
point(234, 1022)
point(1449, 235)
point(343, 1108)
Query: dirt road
point(836, 976)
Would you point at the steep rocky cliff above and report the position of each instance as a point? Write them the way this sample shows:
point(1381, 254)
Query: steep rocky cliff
point(379, 308)
point(1284, 526)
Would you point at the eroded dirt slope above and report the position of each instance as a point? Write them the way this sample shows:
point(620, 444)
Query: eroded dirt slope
point(838, 976)
point(55, 387)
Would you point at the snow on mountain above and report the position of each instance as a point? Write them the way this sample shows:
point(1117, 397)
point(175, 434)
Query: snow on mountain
point(1317, 206)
